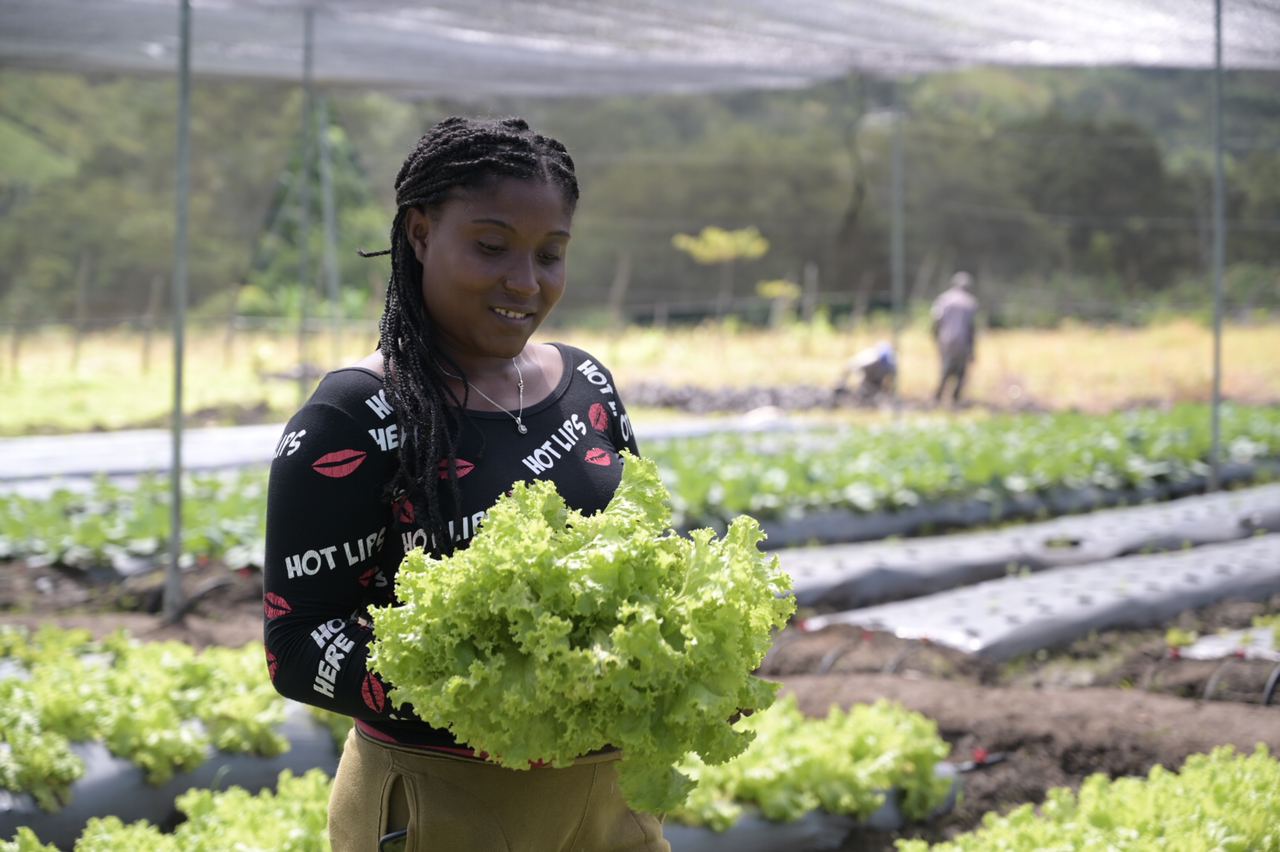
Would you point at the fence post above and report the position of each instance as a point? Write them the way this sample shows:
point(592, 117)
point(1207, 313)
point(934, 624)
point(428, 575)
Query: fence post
point(174, 598)
point(82, 308)
point(149, 321)
point(809, 277)
point(618, 290)
point(15, 344)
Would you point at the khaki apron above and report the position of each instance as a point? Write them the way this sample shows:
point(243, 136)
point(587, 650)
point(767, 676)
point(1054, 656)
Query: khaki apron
point(457, 804)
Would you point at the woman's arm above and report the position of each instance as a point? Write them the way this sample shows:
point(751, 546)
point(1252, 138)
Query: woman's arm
point(615, 419)
point(327, 527)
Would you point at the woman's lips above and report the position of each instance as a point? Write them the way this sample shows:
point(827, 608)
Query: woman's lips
point(512, 314)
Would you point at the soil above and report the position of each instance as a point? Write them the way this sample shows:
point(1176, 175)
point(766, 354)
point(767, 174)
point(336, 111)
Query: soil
point(687, 399)
point(693, 399)
point(1116, 702)
point(1124, 659)
point(1043, 722)
point(224, 607)
point(224, 414)
point(1047, 737)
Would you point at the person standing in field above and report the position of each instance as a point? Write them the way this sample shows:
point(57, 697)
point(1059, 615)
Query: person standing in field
point(955, 333)
point(410, 447)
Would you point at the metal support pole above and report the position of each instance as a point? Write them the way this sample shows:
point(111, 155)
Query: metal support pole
point(330, 228)
point(173, 598)
point(897, 226)
point(304, 200)
point(1219, 252)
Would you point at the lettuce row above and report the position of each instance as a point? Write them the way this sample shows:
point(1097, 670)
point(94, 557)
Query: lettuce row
point(1218, 801)
point(897, 466)
point(293, 818)
point(857, 469)
point(160, 705)
point(556, 634)
point(128, 526)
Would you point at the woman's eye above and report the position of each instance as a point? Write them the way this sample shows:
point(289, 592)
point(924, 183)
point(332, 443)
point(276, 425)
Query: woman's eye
point(490, 248)
point(549, 258)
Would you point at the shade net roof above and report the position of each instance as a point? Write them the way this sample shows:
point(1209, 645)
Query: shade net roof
point(594, 47)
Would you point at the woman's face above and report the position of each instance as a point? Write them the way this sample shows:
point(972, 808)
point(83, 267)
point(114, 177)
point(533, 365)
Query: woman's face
point(493, 265)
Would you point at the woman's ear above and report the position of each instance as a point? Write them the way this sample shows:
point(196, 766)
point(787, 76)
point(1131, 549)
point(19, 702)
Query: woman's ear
point(416, 226)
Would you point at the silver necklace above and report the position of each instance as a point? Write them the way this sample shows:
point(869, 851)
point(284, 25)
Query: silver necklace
point(519, 418)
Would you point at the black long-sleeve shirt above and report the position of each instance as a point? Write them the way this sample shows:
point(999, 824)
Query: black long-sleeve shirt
point(335, 538)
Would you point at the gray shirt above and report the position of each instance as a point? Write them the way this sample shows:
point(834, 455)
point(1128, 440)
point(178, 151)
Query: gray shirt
point(954, 312)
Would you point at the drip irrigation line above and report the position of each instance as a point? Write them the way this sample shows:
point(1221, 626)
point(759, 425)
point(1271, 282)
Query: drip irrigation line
point(1211, 685)
point(982, 761)
point(830, 658)
point(782, 640)
point(1269, 691)
point(1149, 673)
point(893, 665)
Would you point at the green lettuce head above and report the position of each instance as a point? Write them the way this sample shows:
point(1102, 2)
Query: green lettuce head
point(555, 634)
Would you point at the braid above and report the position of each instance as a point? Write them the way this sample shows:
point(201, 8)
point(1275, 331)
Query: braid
point(456, 153)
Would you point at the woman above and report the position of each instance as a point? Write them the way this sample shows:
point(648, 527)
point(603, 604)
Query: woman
point(409, 448)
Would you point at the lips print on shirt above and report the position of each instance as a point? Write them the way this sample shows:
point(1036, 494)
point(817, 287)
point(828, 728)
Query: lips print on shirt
point(599, 417)
point(273, 665)
point(275, 606)
point(375, 697)
point(339, 463)
point(367, 577)
point(595, 455)
point(403, 507)
point(462, 466)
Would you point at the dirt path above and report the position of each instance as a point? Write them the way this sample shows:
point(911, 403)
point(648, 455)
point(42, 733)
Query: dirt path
point(232, 629)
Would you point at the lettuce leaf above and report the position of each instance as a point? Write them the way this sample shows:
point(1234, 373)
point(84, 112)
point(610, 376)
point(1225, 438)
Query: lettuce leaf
point(557, 634)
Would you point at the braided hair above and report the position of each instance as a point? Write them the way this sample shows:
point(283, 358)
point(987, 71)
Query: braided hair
point(457, 153)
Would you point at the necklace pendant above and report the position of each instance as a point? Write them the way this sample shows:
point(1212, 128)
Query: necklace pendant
point(521, 428)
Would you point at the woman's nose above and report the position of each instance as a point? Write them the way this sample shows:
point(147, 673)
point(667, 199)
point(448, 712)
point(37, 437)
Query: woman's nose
point(522, 277)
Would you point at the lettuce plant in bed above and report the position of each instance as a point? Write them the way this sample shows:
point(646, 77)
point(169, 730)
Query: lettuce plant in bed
point(557, 634)
point(160, 705)
point(1223, 801)
point(290, 818)
point(843, 763)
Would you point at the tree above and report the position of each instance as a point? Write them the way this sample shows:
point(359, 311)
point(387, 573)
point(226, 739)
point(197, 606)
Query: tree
point(1106, 183)
point(273, 285)
point(90, 227)
point(719, 247)
point(782, 295)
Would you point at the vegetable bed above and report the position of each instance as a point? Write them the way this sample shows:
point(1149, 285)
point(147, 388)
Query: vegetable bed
point(826, 484)
point(118, 726)
point(876, 764)
point(1219, 801)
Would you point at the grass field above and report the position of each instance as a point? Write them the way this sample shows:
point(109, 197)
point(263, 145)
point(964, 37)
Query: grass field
point(1093, 369)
